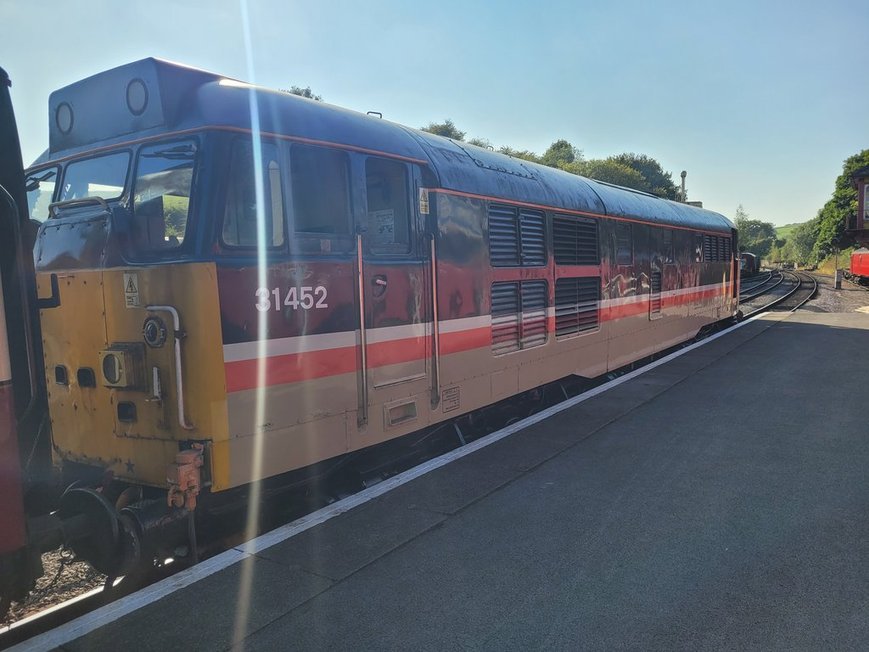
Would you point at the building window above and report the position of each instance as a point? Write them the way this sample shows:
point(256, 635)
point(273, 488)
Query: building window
point(866, 206)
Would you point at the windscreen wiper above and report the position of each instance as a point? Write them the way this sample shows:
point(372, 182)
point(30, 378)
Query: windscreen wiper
point(173, 153)
point(32, 183)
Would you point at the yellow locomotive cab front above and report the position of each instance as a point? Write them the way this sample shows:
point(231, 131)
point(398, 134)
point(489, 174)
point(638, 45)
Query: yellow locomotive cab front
point(134, 363)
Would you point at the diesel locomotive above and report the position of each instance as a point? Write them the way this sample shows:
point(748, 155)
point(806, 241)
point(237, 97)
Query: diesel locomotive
point(236, 283)
point(21, 397)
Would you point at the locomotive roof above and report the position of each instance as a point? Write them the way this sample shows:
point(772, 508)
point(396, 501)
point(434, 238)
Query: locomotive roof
point(107, 108)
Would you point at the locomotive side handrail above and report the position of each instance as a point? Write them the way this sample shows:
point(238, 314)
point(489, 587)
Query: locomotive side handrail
point(176, 325)
point(363, 340)
point(435, 327)
point(76, 203)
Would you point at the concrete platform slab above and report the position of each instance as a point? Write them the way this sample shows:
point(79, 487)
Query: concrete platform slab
point(718, 501)
point(201, 616)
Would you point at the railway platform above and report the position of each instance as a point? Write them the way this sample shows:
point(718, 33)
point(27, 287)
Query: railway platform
point(717, 500)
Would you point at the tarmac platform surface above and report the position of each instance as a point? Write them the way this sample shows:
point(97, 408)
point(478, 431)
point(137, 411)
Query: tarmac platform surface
point(720, 500)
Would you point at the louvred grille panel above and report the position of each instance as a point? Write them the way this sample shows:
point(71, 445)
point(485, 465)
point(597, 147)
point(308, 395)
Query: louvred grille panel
point(518, 316)
point(505, 318)
point(575, 240)
point(517, 238)
point(577, 304)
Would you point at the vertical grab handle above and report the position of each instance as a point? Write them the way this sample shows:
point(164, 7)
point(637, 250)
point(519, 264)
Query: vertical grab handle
point(179, 376)
point(362, 418)
point(435, 327)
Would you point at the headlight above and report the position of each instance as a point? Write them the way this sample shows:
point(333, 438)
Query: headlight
point(112, 368)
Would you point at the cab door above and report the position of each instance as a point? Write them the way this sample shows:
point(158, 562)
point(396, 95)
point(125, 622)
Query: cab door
point(395, 289)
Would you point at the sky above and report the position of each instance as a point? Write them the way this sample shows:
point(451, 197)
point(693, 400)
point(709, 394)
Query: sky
point(759, 101)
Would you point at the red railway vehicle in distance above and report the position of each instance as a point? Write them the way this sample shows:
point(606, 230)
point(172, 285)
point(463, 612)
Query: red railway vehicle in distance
point(748, 263)
point(860, 266)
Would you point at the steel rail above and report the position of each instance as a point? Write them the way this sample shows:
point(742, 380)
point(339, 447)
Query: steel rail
point(748, 297)
point(811, 294)
point(751, 286)
point(778, 300)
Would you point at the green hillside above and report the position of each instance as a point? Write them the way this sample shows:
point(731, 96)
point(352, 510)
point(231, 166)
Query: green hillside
point(782, 232)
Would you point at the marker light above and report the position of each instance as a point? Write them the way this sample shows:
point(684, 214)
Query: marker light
point(137, 97)
point(63, 117)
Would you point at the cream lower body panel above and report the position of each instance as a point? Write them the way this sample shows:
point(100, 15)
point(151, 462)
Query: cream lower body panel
point(311, 421)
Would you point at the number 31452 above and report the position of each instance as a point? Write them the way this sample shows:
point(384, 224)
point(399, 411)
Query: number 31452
point(304, 298)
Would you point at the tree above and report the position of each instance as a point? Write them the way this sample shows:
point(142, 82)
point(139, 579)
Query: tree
point(610, 171)
point(754, 235)
point(658, 182)
point(524, 154)
point(560, 154)
point(832, 217)
point(481, 142)
point(446, 129)
point(778, 254)
point(304, 92)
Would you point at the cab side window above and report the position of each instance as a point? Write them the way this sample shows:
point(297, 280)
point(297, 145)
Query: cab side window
point(241, 214)
point(320, 182)
point(40, 192)
point(161, 195)
point(388, 211)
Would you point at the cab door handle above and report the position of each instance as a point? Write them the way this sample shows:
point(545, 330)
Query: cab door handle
point(378, 285)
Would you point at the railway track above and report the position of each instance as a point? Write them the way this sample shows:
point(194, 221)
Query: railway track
point(855, 283)
point(761, 287)
point(783, 290)
point(776, 290)
point(750, 283)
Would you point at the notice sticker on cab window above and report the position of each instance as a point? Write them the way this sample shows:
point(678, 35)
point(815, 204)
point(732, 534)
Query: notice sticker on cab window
point(381, 226)
point(131, 290)
point(423, 201)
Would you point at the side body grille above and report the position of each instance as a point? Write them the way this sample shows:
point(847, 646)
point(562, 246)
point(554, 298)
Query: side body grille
point(575, 240)
point(577, 305)
point(518, 316)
